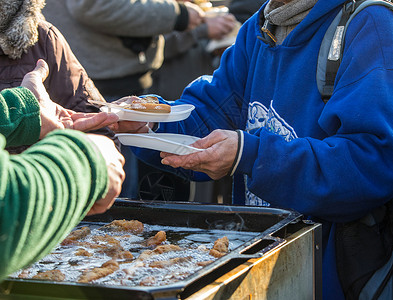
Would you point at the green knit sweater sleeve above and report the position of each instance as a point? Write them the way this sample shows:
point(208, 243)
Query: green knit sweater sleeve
point(20, 119)
point(44, 193)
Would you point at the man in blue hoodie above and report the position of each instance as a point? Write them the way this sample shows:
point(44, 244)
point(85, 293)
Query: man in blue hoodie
point(284, 145)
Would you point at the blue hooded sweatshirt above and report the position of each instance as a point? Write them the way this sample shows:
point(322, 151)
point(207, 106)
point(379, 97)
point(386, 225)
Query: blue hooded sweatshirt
point(332, 162)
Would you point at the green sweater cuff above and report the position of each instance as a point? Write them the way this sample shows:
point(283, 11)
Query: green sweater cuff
point(20, 120)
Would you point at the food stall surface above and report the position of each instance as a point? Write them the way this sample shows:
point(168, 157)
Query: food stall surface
point(273, 254)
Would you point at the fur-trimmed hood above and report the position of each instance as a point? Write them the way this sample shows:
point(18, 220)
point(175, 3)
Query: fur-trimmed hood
point(18, 25)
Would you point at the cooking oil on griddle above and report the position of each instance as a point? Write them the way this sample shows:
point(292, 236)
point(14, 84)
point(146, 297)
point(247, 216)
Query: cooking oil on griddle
point(156, 269)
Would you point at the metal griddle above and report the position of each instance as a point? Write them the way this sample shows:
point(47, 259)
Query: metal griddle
point(277, 227)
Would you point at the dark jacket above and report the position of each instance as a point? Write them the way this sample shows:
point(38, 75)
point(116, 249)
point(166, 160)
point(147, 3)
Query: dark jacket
point(243, 9)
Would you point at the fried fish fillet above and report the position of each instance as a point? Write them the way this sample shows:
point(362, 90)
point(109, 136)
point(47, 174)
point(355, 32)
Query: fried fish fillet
point(76, 235)
point(53, 275)
point(156, 240)
point(133, 226)
point(220, 247)
point(106, 268)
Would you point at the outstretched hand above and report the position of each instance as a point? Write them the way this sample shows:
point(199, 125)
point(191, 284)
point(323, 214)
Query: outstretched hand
point(34, 81)
point(219, 26)
point(91, 121)
point(54, 116)
point(131, 127)
point(216, 161)
point(195, 15)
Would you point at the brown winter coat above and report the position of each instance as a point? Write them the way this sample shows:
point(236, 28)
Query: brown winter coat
point(67, 84)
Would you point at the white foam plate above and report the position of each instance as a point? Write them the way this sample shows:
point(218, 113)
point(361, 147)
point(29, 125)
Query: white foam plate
point(178, 113)
point(166, 142)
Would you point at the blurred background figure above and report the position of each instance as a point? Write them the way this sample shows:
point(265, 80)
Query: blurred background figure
point(185, 53)
point(26, 37)
point(119, 42)
point(244, 9)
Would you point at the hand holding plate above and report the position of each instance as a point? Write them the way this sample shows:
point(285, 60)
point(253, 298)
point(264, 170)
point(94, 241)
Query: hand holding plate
point(131, 127)
point(216, 161)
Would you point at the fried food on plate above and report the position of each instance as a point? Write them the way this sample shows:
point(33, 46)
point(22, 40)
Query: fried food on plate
point(149, 104)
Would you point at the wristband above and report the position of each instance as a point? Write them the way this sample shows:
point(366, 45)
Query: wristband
point(182, 19)
point(237, 157)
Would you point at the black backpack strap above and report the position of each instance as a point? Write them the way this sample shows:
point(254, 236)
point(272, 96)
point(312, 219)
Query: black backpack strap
point(332, 46)
point(335, 53)
point(330, 52)
point(363, 247)
point(326, 89)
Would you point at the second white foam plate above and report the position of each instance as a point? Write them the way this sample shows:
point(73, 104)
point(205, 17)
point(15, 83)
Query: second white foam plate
point(178, 113)
point(166, 142)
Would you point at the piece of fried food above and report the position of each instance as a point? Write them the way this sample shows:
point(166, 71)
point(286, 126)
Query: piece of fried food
point(109, 245)
point(53, 275)
point(76, 235)
point(149, 104)
point(165, 248)
point(83, 252)
point(133, 226)
point(150, 280)
point(106, 239)
point(170, 262)
point(24, 274)
point(156, 240)
point(124, 255)
point(204, 263)
point(112, 251)
point(220, 247)
point(90, 245)
point(158, 250)
point(106, 268)
point(204, 4)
